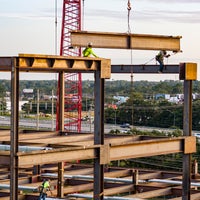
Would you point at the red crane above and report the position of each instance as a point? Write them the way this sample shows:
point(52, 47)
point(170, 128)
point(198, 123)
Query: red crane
point(71, 20)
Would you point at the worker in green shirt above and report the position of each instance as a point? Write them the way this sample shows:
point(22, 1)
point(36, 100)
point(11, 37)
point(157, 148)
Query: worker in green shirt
point(88, 51)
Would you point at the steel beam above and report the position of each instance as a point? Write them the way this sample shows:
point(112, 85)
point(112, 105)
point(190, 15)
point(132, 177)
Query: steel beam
point(125, 41)
point(55, 156)
point(41, 63)
point(115, 152)
point(151, 148)
point(143, 69)
point(49, 63)
point(151, 194)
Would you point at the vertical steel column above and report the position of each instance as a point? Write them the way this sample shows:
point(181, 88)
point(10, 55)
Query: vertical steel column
point(14, 131)
point(61, 129)
point(98, 135)
point(61, 101)
point(60, 179)
point(187, 131)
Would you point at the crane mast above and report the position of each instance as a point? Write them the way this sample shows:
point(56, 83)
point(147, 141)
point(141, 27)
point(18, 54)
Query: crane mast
point(71, 20)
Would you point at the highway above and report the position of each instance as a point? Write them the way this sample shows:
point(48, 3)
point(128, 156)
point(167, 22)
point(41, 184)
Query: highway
point(47, 124)
point(86, 126)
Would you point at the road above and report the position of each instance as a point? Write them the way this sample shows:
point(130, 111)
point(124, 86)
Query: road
point(86, 125)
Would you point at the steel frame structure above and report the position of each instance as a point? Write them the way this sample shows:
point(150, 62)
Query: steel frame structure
point(71, 20)
point(101, 150)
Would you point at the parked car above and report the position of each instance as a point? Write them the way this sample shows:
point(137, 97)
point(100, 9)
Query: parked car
point(197, 135)
point(124, 131)
point(125, 125)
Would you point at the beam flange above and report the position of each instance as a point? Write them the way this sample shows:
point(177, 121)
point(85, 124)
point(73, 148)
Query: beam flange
point(125, 41)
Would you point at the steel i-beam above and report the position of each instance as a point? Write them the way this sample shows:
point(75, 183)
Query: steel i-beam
point(125, 41)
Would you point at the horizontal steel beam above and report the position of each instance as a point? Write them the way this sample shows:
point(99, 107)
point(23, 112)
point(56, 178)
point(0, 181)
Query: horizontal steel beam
point(48, 63)
point(125, 41)
point(111, 152)
point(151, 148)
point(31, 62)
point(55, 156)
point(143, 69)
point(152, 194)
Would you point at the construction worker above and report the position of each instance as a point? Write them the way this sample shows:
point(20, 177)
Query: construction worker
point(88, 51)
point(160, 58)
point(43, 189)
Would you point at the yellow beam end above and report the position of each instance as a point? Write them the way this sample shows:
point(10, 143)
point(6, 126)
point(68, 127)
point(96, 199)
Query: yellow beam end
point(188, 71)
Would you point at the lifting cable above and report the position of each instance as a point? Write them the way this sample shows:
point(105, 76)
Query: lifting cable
point(129, 31)
point(129, 9)
point(56, 24)
point(83, 14)
point(174, 53)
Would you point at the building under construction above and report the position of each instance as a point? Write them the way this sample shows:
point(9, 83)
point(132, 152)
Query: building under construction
point(27, 157)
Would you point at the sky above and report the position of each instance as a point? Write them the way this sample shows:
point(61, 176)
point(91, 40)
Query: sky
point(29, 27)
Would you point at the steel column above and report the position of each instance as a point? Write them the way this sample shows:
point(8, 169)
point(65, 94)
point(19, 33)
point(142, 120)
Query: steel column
point(98, 135)
point(60, 121)
point(14, 131)
point(60, 192)
point(187, 131)
point(61, 104)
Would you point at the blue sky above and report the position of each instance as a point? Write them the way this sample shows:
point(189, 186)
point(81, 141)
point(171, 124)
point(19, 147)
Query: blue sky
point(29, 27)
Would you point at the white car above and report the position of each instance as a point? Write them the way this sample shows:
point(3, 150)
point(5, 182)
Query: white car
point(197, 135)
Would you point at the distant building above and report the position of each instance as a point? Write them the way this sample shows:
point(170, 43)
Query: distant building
point(28, 94)
point(120, 99)
point(174, 100)
point(162, 96)
point(21, 103)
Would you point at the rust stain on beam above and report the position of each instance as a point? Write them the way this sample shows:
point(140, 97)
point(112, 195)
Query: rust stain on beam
point(125, 41)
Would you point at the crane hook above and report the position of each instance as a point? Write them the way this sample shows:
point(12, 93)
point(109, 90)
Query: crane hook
point(129, 5)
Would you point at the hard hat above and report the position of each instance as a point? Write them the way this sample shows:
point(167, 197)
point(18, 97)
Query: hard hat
point(89, 44)
point(165, 52)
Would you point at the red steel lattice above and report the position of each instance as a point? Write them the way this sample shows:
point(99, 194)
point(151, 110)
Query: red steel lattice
point(71, 20)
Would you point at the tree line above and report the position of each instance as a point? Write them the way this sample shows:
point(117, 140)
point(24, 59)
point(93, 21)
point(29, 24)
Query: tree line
point(140, 109)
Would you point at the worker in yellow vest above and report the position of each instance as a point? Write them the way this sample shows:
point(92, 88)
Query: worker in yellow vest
point(43, 189)
point(87, 52)
point(160, 58)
